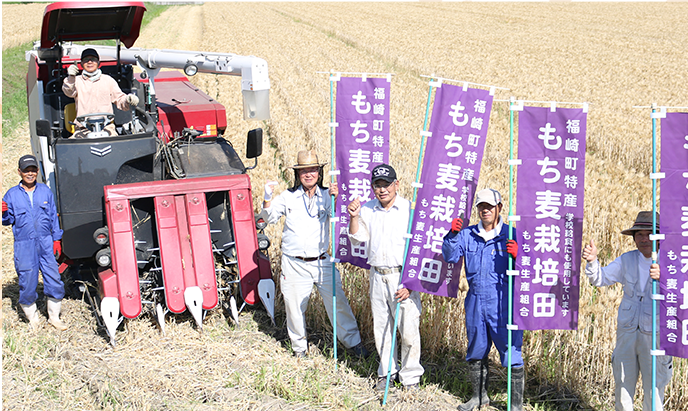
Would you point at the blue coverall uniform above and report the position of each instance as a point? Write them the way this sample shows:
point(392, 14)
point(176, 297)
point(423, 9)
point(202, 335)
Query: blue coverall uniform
point(487, 299)
point(35, 229)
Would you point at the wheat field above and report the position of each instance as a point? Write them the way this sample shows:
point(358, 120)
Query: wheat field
point(613, 56)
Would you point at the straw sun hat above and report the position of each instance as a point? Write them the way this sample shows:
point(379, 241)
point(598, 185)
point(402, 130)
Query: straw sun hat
point(306, 159)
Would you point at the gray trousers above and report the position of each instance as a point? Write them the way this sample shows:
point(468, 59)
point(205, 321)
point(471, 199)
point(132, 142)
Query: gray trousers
point(383, 305)
point(631, 356)
point(296, 282)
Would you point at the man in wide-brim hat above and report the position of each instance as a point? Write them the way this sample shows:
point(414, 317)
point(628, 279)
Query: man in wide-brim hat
point(635, 271)
point(305, 261)
point(308, 159)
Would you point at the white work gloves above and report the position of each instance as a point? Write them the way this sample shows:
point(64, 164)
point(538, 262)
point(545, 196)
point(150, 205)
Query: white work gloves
point(73, 70)
point(132, 100)
point(269, 191)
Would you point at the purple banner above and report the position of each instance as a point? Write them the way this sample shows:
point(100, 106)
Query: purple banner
point(549, 201)
point(451, 165)
point(362, 142)
point(673, 253)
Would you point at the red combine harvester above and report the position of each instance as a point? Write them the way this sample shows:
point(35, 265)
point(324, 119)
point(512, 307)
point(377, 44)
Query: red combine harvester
point(161, 215)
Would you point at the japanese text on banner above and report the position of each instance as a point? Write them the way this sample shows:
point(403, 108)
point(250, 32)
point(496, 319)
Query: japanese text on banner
point(673, 253)
point(362, 142)
point(451, 167)
point(550, 190)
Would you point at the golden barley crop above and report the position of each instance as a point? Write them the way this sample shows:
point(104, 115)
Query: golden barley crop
point(611, 56)
point(21, 23)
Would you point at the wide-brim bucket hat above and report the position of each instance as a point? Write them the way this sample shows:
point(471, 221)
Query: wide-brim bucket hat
point(306, 159)
point(642, 222)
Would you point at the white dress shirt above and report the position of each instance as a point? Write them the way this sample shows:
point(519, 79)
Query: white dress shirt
point(383, 231)
point(306, 228)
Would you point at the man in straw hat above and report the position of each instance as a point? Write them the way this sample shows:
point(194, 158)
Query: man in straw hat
point(382, 225)
point(635, 271)
point(305, 261)
point(486, 249)
point(30, 209)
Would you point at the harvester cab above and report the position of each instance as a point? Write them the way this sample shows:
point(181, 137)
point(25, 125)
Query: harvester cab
point(161, 214)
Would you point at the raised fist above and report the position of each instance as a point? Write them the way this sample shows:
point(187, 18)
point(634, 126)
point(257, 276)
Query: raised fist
point(590, 252)
point(267, 196)
point(73, 70)
point(354, 207)
point(457, 224)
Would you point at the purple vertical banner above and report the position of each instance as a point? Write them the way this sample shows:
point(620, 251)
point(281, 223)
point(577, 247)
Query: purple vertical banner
point(549, 201)
point(451, 165)
point(673, 253)
point(362, 142)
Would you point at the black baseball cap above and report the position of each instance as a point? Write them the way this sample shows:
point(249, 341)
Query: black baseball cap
point(90, 52)
point(383, 172)
point(27, 161)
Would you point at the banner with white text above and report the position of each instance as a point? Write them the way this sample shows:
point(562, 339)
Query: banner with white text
point(362, 142)
point(451, 165)
point(549, 201)
point(673, 253)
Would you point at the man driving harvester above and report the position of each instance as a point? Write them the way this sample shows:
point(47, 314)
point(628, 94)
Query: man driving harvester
point(94, 92)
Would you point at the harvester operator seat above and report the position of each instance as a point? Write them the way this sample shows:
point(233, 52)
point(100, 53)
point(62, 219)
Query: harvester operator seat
point(69, 117)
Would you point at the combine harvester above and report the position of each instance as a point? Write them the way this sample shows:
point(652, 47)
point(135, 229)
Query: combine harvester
point(161, 216)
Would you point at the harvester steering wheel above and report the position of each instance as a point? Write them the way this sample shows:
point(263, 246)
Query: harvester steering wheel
point(106, 118)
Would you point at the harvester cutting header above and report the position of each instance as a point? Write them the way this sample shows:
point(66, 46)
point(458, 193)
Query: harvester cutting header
point(159, 212)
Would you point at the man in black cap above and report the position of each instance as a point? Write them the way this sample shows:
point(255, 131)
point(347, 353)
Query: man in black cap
point(632, 354)
point(382, 224)
point(94, 91)
point(30, 209)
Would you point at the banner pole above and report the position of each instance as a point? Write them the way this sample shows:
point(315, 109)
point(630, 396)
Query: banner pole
point(408, 231)
point(654, 252)
point(511, 259)
point(332, 229)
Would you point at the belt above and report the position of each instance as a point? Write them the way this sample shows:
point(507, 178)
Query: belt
point(385, 271)
point(309, 259)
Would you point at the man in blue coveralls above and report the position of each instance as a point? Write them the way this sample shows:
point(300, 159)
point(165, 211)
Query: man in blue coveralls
point(30, 209)
point(486, 250)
